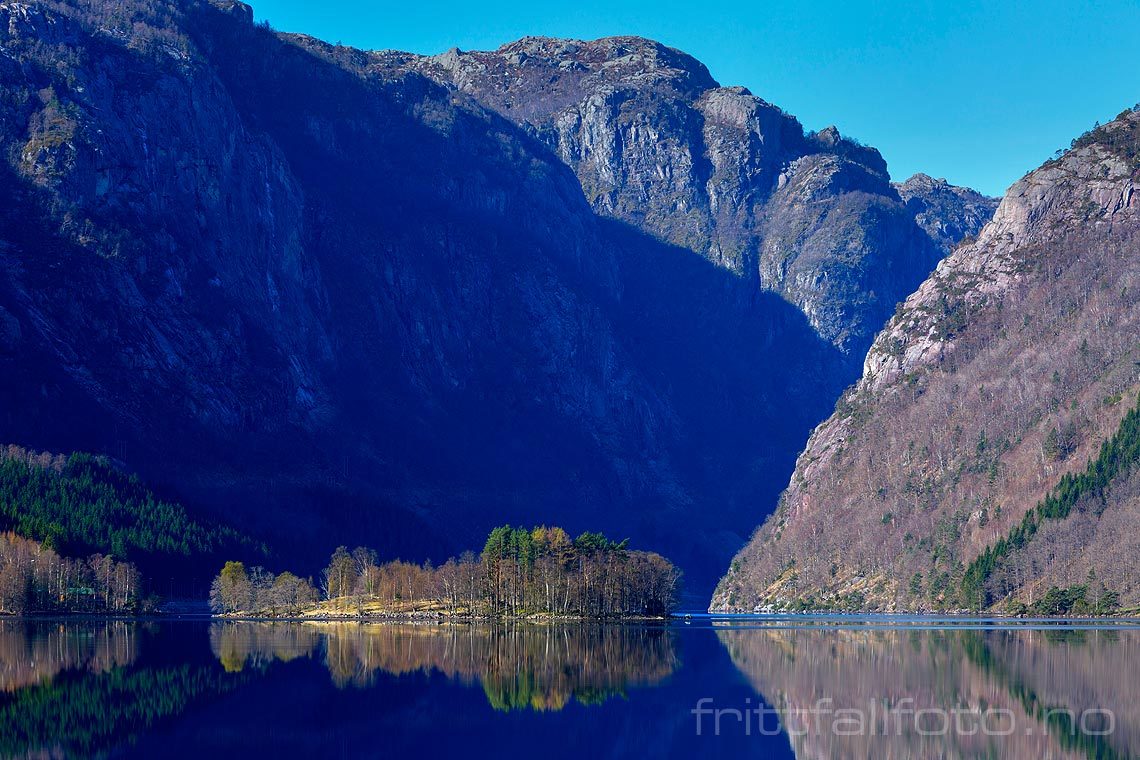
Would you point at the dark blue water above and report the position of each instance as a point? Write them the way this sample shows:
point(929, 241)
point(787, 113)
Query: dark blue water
point(825, 687)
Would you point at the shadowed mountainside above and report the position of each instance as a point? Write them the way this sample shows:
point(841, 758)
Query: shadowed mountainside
point(657, 142)
point(311, 298)
point(323, 292)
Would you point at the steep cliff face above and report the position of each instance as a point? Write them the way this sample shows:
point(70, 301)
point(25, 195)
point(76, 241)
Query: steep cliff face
point(1002, 373)
point(313, 290)
point(657, 143)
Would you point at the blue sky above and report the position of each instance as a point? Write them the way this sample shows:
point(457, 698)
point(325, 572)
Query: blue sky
point(979, 93)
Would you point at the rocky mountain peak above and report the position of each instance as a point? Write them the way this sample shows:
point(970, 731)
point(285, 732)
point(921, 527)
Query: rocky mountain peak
point(530, 78)
point(657, 143)
point(922, 181)
point(238, 10)
point(615, 59)
point(946, 212)
point(829, 136)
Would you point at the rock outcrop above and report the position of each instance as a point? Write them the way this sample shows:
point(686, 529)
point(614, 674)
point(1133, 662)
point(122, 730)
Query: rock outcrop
point(947, 213)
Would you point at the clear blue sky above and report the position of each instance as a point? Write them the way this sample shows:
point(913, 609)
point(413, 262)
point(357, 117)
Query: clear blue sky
point(975, 92)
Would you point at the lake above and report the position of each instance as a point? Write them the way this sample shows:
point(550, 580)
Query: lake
point(776, 687)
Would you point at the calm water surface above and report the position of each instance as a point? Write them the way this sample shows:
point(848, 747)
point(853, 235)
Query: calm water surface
point(797, 687)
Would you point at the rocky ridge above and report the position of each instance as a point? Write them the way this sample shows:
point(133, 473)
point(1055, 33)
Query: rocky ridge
point(656, 142)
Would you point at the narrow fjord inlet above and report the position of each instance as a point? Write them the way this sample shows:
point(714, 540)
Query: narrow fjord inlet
point(552, 395)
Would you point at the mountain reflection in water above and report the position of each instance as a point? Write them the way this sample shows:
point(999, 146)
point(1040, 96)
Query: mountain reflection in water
point(949, 693)
point(114, 688)
point(519, 666)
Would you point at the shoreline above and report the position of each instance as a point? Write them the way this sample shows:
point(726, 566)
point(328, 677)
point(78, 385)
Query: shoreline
point(823, 620)
point(435, 617)
point(815, 620)
point(1132, 613)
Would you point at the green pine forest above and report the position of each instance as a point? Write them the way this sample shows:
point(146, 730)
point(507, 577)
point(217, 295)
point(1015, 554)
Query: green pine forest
point(83, 503)
point(1082, 490)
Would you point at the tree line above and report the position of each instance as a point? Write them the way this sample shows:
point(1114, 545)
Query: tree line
point(1091, 598)
point(1080, 490)
point(35, 579)
point(519, 572)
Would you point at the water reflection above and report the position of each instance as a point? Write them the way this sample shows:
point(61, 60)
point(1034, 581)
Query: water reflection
point(541, 668)
point(865, 693)
point(32, 652)
point(77, 688)
point(82, 688)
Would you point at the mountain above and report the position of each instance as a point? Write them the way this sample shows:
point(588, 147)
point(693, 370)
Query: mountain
point(949, 214)
point(657, 143)
point(342, 296)
point(987, 456)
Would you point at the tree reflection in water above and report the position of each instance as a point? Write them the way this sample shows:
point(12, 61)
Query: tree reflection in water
point(535, 667)
point(78, 687)
point(32, 652)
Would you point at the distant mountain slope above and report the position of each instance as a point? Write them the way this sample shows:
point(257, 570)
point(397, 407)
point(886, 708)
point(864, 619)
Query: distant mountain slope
point(947, 213)
point(1002, 374)
point(656, 142)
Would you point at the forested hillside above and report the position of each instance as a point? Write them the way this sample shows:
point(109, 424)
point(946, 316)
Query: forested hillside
point(82, 503)
point(79, 534)
point(987, 457)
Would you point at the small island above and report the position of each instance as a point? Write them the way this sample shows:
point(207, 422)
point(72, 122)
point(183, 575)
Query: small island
point(540, 573)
